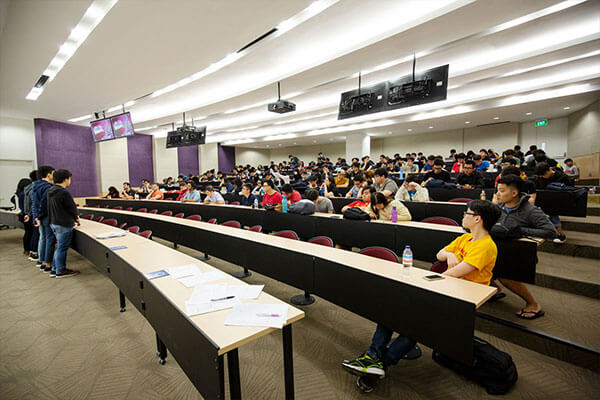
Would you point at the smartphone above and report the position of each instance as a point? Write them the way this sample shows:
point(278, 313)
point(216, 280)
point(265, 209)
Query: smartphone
point(433, 277)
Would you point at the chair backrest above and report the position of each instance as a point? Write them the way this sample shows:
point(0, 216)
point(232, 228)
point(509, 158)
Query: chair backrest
point(155, 211)
point(99, 219)
point(142, 210)
point(256, 228)
point(133, 229)
point(235, 203)
point(117, 208)
point(107, 206)
point(460, 200)
point(122, 225)
point(167, 213)
point(89, 216)
point(179, 215)
point(212, 221)
point(146, 234)
point(322, 240)
point(129, 209)
point(440, 221)
point(288, 235)
point(232, 224)
point(194, 217)
point(380, 252)
point(96, 206)
point(111, 222)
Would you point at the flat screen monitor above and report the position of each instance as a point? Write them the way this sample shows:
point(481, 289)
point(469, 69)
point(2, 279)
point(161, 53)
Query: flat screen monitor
point(102, 130)
point(121, 125)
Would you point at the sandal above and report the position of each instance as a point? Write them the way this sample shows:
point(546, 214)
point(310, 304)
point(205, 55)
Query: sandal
point(537, 314)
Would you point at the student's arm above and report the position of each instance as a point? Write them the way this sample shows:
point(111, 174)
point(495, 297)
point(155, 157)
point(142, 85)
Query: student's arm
point(448, 256)
point(539, 225)
point(422, 194)
point(403, 213)
point(459, 270)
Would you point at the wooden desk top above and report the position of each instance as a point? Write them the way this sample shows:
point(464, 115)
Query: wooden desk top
point(148, 256)
point(457, 288)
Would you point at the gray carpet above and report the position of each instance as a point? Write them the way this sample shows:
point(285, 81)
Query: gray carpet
point(65, 339)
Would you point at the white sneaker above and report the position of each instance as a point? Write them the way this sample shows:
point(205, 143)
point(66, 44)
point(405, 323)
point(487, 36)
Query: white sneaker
point(560, 239)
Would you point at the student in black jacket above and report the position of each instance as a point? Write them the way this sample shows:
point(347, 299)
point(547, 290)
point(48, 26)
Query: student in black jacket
point(469, 178)
point(437, 172)
point(63, 217)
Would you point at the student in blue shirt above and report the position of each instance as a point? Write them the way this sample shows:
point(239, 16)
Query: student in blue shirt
point(355, 190)
point(247, 197)
point(480, 165)
point(192, 195)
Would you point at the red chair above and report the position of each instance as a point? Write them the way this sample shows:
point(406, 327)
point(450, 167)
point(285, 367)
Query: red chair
point(440, 221)
point(153, 211)
point(194, 217)
point(212, 221)
point(111, 222)
point(128, 209)
point(98, 219)
point(122, 225)
point(226, 202)
point(89, 216)
point(167, 213)
point(232, 224)
point(460, 200)
point(256, 228)
point(133, 229)
point(380, 252)
point(146, 234)
point(288, 235)
point(117, 208)
point(142, 210)
point(179, 215)
point(322, 240)
point(96, 206)
point(107, 206)
point(235, 203)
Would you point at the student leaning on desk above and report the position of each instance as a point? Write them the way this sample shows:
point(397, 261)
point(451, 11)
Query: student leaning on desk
point(471, 256)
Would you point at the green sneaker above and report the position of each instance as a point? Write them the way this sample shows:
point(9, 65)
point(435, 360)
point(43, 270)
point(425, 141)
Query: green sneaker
point(364, 365)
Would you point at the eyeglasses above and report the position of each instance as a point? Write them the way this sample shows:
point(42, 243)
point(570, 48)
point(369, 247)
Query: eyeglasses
point(469, 213)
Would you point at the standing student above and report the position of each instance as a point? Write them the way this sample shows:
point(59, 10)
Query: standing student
point(471, 257)
point(20, 193)
point(41, 218)
point(63, 218)
point(28, 218)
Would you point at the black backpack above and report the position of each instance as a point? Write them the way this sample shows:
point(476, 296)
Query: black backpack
point(493, 369)
point(356, 213)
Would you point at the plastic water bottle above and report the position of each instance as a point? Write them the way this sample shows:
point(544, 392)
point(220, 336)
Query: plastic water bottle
point(394, 214)
point(482, 195)
point(137, 196)
point(401, 174)
point(255, 203)
point(407, 261)
point(284, 205)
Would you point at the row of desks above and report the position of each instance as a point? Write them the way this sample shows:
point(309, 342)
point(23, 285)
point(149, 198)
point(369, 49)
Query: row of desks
point(370, 287)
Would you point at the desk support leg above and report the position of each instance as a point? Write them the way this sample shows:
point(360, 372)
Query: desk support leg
point(288, 361)
point(233, 366)
point(122, 301)
point(242, 274)
point(161, 350)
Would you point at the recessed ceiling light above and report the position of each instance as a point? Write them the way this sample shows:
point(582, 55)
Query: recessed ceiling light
point(410, 130)
point(268, 146)
point(496, 117)
point(431, 127)
point(566, 108)
point(528, 113)
point(314, 141)
point(295, 143)
point(467, 122)
point(389, 133)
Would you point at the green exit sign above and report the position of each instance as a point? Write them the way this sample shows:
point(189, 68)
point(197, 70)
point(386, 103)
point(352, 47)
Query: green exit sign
point(542, 122)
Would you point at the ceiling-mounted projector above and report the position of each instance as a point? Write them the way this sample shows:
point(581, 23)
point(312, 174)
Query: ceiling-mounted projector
point(281, 106)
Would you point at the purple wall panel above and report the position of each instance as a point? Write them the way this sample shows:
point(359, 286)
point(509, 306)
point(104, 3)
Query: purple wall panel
point(226, 157)
point(67, 146)
point(187, 160)
point(139, 154)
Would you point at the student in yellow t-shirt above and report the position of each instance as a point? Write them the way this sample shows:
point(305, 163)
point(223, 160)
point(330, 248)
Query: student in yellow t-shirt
point(470, 256)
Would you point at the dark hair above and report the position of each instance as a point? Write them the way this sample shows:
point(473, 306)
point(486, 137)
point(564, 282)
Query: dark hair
point(511, 170)
point(539, 155)
point(22, 183)
point(484, 150)
point(269, 182)
point(111, 189)
point(439, 162)
point(452, 151)
point(470, 162)
point(567, 160)
point(509, 160)
point(381, 172)
point(33, 175)
point(514, 181)
point(410, 178)
point(44, 170)
point(311, 194)
point(411, 159)
point(247, 186)
point(488, 211)
point(313, 178)
point(127, 183)
point(533, 147)
point(541, 168)
point(287, 188)
point(517, 147)
point(509, 152)
point(62, 175)
point(209, 188)
point(378, 198)
point(461, 155)
point(429, 158)
point(477, 157)
point(358, 178)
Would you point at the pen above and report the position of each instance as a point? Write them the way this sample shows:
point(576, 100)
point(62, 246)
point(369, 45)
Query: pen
point(223, 298)
point(267, 315)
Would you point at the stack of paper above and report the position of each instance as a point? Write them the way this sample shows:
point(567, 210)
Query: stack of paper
point(107, 235)
point(184, 270)
point(256, 314)
point(200, 278)
point(208, 298)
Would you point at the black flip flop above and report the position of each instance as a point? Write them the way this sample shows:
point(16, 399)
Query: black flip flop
point(538, 314)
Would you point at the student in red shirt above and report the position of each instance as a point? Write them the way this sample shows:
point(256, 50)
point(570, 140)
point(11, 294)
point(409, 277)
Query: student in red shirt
point(271, 196)
point(291, 195)
point(365, 202)
point(460, 163)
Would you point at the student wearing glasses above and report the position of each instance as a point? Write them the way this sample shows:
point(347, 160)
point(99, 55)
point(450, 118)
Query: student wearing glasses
point(471, 257)
point(192, 195)
point(213, 197)
point(469, 178)
point(271, 195)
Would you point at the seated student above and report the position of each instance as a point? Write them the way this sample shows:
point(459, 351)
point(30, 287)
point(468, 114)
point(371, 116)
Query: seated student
point(340, 179)
point(438, 172)
point(271, 195)
point(364, 202)
point(247, 198)
point(113, 193)
point(322, 204)
point(471, 257)
point(291, 195)
point(382, 207)
point(354, 190)
point(469, 178)
point(212, 196)
point(412, 191)
point(393, 166)
point(480, 164)
point(428, 166)
point(328, 188)
point(367, 164)
point(145, 188)
point(156, 194)
point(518, 153)
point(183, 189)
point(531, 220)
point(460, 163)
point(384, 184)
point(527, 186)
point(544, 175)
point(354, 171)
point(509, 154)
point(192, 195)
point(313, 182)
point(128, 193)
point(571, 169)
point(258, 189)
point(410, 167)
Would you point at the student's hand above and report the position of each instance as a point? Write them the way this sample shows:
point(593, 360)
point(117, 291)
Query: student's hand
point(26, 218)
point(413, 186)
point(452, 260)
point(467, 186)
point(495, 198)
point(78, 222)
point(36, 223)
point(429, 179)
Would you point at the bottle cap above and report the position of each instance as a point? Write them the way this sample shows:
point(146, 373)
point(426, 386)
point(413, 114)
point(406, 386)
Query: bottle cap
point(407, 247)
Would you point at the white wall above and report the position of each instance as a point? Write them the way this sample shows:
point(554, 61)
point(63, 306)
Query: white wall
point(208, 157)
point(113, 164)
point(252, 156)
point(554, 135)
point(428, 143)
point(17, 140)
point(331, 150)
point(584, 130)
point(165, 160)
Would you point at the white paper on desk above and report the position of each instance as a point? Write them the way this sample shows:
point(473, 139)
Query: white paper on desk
point(113, 234)
point(244, 291)
point(201, 278)
point(256, 314)
point(205, 293)
point(184, 270)
point(203, 308)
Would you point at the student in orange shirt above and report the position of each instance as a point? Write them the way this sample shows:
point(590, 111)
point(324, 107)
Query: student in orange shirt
point(156, 193)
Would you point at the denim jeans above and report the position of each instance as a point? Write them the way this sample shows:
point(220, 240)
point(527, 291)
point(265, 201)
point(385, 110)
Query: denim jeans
point(47, 241)
point(555, 220)
point(389, 355)
point(63, 242)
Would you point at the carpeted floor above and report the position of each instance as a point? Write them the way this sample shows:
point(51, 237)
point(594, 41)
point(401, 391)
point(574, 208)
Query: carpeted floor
point(66, 339)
